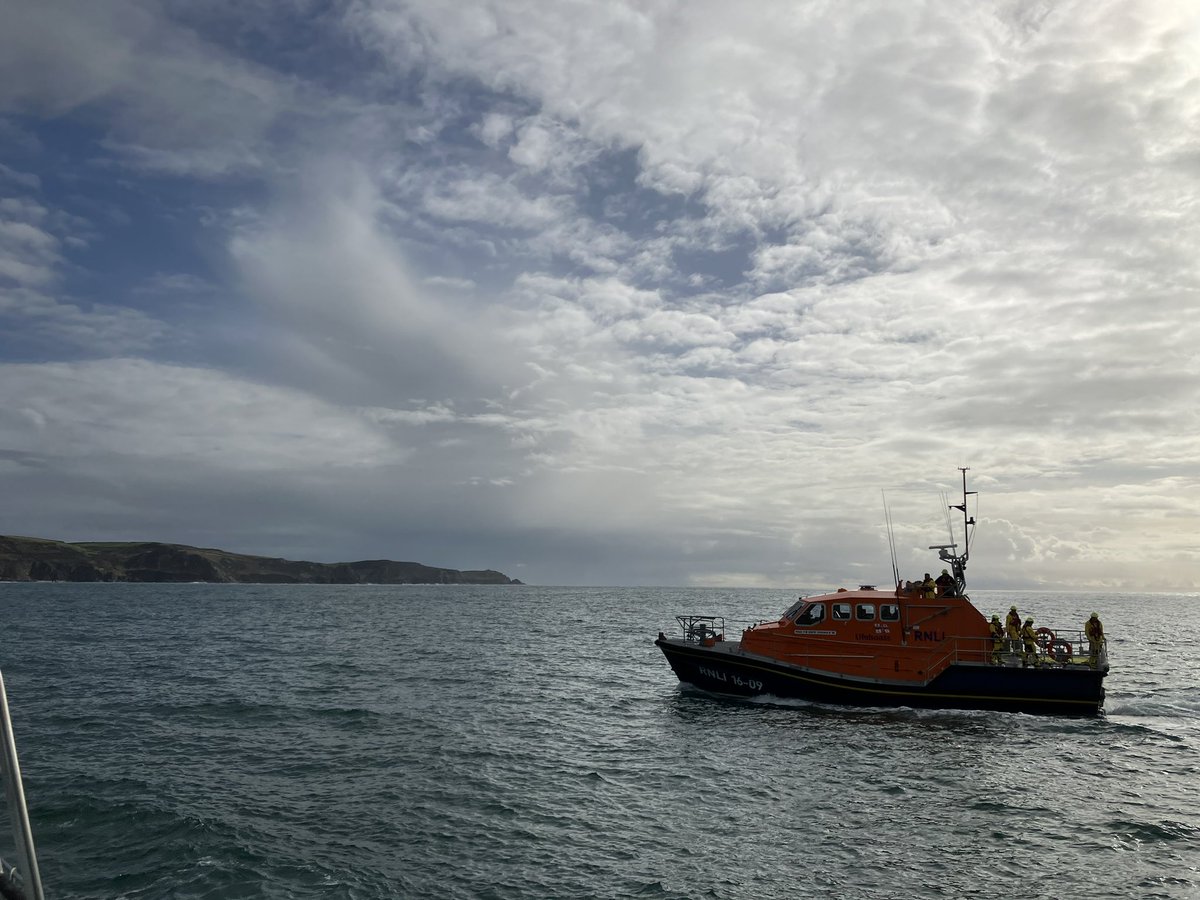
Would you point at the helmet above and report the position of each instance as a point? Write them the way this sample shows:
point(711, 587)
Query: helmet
point(1029, 621)
point(995, 618)
point(1014, 609)
point(944, 572)
point(1095, 615)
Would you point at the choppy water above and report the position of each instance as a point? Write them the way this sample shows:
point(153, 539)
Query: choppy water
point(204, 741)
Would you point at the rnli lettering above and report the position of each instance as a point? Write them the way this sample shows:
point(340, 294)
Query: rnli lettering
point(736, 680)
point(936, 636)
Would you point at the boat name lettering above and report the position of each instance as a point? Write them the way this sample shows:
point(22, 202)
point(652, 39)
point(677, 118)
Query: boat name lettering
point(871, 636)
point(810, 631)
point(736, 680)
point(936, 636)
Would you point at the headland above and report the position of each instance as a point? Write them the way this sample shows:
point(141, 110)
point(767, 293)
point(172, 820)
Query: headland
point(39, 559)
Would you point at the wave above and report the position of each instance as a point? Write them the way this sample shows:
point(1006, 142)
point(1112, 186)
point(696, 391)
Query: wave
point(1158, 705)
point(1152, 832)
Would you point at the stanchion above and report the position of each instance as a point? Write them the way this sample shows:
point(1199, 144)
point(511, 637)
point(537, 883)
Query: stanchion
point(14, 792)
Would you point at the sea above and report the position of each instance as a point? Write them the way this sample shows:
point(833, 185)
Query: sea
point(253, 741)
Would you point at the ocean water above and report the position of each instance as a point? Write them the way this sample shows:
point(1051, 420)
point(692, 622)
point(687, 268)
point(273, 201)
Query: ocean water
point(213, 741)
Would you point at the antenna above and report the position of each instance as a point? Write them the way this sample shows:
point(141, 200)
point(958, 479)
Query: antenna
point(887, 518)
point(949, 526)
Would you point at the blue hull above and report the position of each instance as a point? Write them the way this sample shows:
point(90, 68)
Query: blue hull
point(1058, 691)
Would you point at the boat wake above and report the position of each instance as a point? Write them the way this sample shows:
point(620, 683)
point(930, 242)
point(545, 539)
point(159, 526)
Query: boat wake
point(891, 713)
point(1165, 705)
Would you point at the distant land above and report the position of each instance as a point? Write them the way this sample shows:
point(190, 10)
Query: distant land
point(38, 559)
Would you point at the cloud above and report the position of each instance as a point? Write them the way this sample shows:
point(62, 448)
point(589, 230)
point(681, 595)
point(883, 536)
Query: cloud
point(325, 268)
point(490, 200)
point(624, 292)
point(916, 108)
point(169, 100)
point(23, 179)
point(29, 255)
point(136, 409)
point(45, 321)
point(34, 243)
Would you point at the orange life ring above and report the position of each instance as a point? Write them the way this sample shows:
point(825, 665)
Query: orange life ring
point(1060, 650)
point(1045, 637)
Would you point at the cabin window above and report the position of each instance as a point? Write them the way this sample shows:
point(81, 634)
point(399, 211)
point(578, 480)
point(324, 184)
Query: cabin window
point(812, 614)
point(841, 612)
point(865, 611)
point(889, 612)
point(794, 609)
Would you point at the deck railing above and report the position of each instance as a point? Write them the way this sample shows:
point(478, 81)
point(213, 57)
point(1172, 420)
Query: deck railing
point(702, 629)
point(1056, 649)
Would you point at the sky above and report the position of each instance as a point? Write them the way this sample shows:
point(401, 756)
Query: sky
point(597, 292)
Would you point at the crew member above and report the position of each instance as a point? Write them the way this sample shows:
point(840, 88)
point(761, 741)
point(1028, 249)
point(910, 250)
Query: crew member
point(1012, 627)
point(1095, 635)
point(997, 631)
point(1029, 637)
point(929, 587)
point(945, 584)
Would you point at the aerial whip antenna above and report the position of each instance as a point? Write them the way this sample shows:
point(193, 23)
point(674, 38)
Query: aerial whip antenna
point(887, 518)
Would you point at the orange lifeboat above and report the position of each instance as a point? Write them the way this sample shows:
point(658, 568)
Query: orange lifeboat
point(910, 646)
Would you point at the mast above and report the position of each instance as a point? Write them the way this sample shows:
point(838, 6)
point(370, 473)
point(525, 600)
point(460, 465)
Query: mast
point(958, 561)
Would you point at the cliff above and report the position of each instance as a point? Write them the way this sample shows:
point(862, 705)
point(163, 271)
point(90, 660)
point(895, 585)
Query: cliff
point(36, 559)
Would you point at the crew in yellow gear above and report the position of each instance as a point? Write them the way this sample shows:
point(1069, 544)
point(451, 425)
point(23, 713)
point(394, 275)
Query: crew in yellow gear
point(928, 587)
point(1095, 635)
point(1012, 626)
point(1029, 637)
point(997, 640)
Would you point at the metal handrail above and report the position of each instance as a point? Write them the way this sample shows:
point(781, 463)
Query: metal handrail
point(14, 792)
point(948, 658)
point(700, 628)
